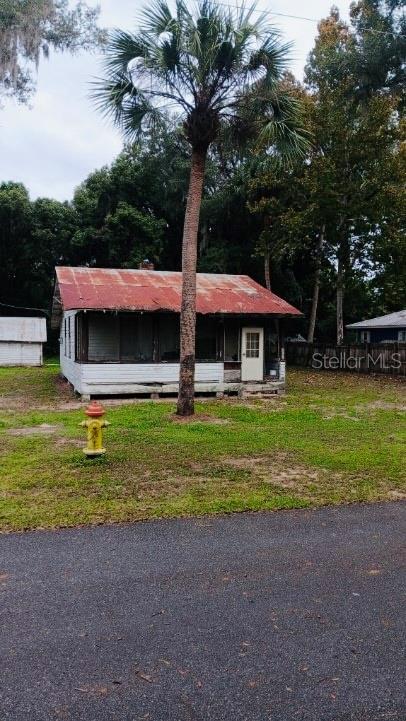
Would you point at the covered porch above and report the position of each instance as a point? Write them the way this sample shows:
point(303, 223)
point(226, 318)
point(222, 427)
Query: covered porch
point(138, 353)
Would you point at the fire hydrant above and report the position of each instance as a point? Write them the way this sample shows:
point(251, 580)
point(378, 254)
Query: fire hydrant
point(94, 426)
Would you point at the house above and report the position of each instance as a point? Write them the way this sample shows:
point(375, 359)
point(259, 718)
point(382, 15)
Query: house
point(21, 340)
point(386, 328)
point(119, 331)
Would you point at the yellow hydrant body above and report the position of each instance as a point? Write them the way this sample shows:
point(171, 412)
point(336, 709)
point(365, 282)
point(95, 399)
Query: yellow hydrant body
point(94, 426)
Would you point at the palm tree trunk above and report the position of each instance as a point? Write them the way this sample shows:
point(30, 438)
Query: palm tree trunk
point(316, 288)
point(340, 299)
point(267, 268)
point(185, 405)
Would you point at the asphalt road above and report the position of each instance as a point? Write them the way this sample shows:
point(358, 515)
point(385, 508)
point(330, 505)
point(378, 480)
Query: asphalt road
point(288, 616)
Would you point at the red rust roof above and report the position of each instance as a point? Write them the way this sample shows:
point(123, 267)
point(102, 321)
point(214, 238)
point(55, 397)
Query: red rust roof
point(153, 290)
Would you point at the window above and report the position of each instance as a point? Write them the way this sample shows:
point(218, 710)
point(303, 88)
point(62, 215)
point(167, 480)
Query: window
point(365, 336)
point(136, 334)
point(206, 339)
point(81, 339)
point(69, 338)
point(231, 343)
point(252, 345)
point(104, 338)
point(64, 338)
point(124, 338)
point(169, 338)
point(402, 336)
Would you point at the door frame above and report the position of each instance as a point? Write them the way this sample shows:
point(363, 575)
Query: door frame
point(246, 374)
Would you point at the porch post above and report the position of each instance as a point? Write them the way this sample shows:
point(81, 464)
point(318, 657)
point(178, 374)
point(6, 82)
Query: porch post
point(155, 339)
point(220, 341)
point(282, 362)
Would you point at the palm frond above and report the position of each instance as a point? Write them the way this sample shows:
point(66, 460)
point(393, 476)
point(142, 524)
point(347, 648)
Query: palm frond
point(126, 105)
point(122, 49)
point(283, 132)
point(216, 66)
point(157, 18)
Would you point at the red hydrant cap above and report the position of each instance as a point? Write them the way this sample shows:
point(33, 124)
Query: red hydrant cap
point(95, 409)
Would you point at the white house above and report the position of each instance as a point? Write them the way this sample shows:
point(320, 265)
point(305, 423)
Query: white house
point(119, 332)
point(21, 341)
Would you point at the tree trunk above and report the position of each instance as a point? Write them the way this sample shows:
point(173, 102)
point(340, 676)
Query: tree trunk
point(316, 289)
point(204, 239)
point(267, 268)
point(185, 405)
point(340, 298)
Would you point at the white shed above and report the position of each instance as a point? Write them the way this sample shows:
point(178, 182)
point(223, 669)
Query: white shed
point(21, 341)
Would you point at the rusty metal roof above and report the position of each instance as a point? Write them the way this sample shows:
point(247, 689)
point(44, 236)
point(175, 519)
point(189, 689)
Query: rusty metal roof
point(153, 290)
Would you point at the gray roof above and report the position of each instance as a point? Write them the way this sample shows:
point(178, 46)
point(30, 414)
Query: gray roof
point(392, 320)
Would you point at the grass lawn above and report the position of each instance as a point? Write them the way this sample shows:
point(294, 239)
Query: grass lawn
point(334, 438)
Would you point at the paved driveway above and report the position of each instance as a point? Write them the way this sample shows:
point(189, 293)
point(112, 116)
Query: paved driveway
point(288, 616)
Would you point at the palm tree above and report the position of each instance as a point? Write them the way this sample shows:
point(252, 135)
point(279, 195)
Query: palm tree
point(218, 71)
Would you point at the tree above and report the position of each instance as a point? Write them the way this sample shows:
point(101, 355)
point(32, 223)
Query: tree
point(219, 69)
point(355, 146)
point(378, 54)
point(34, 237)
point(29, 28)
point(133, 209)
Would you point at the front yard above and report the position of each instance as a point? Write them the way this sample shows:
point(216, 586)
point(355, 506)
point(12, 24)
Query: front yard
point(333, 438)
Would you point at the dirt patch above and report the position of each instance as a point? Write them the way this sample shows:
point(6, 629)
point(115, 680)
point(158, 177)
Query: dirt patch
point(199, 418)
point(278, 470)
point(43, 430)
point(382, 406)
point(331, 416)
point(73, 442)
point(396, 495)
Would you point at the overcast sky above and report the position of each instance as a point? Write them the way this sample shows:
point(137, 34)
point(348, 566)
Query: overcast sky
point(52, 146)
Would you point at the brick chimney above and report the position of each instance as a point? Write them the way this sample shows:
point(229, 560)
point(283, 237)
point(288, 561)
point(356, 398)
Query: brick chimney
point(146, 265)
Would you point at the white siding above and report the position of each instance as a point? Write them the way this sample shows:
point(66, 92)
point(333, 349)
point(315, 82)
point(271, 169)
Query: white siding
point(116, 378)
point(72, 372)
point(20, 354)
point(67, 336)
point(70, 369)
point(127, 373)
point(30, 330)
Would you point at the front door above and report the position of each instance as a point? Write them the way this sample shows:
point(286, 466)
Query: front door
point(252, 357)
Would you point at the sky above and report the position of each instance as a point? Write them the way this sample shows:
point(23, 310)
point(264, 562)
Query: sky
point(55, 143)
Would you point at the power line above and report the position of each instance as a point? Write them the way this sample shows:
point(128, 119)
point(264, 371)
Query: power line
point(307, 19)
point(23, 307)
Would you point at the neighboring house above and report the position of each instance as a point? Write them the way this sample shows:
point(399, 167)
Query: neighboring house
point(21, 340)
point(119, 331)
point(386, 328)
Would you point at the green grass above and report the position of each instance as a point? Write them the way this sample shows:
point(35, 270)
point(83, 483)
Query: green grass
point(333, 438)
